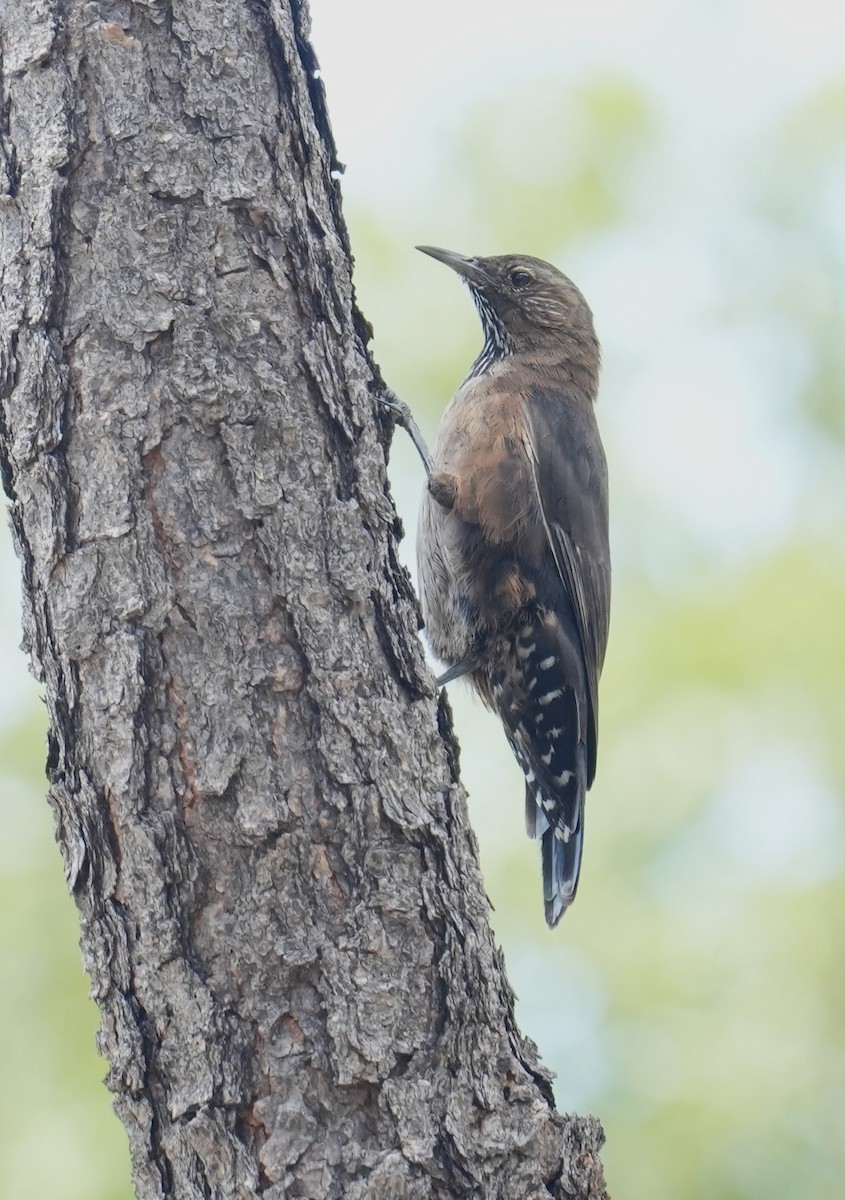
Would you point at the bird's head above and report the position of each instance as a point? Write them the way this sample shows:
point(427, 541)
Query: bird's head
point(526, 304)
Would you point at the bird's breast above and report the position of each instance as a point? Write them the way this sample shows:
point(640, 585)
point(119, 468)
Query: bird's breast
point(481, 442)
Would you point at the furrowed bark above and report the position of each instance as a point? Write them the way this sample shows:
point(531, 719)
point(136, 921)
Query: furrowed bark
point(255, 787)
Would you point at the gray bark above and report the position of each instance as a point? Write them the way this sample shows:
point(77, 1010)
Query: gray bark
point(255, 787)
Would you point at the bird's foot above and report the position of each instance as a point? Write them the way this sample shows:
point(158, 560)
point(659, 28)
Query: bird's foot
point(397, 408)
point(402, 415)
point(443, 487)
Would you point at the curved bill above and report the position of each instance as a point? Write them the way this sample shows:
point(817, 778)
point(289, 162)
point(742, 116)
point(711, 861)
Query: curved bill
point(467, 267)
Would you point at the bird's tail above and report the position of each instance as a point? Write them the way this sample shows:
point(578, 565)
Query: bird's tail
point(540, 695)
point(555, 788)
point(561, 855)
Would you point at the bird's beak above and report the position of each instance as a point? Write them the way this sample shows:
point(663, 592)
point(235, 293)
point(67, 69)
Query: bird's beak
point(467, 267)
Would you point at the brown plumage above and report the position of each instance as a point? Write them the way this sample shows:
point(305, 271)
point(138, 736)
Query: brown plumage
point(513, 555)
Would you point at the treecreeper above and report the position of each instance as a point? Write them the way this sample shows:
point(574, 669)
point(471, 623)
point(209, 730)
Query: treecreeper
point(513, 554)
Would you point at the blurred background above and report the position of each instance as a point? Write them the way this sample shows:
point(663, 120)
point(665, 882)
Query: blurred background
point(684, 163)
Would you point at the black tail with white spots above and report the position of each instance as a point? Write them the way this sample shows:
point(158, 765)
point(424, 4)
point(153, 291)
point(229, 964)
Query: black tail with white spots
point(539, 691)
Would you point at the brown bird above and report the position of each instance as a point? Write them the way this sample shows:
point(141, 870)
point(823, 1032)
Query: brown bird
point(514, 564)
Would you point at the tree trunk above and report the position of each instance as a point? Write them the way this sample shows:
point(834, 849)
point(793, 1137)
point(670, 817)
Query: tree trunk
point(255, 787)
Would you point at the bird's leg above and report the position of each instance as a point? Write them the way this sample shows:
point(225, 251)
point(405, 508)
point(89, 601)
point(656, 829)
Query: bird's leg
point(456, 671)
point(402, 416)
point(442, 485)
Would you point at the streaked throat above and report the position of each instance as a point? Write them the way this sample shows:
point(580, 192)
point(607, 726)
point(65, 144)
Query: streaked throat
point(497, 344)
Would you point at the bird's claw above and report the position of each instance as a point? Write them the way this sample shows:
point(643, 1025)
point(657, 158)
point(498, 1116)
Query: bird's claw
point(397, 408)
point(402, 416)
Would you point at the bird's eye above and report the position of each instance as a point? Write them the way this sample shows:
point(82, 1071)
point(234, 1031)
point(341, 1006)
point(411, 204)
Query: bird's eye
point(520, 279)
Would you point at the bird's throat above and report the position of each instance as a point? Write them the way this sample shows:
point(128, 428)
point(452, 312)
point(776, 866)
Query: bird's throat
point(497, 344)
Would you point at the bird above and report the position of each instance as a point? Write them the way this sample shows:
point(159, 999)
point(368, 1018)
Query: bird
point(513, 547)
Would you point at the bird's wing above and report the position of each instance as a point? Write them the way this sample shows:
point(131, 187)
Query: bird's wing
point(570, 477)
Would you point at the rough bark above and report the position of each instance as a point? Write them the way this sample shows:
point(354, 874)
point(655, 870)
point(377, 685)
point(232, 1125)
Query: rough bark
point(255, 787)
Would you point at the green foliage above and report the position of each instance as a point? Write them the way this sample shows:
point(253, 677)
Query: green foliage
point(799, 190)
point(548, 163)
